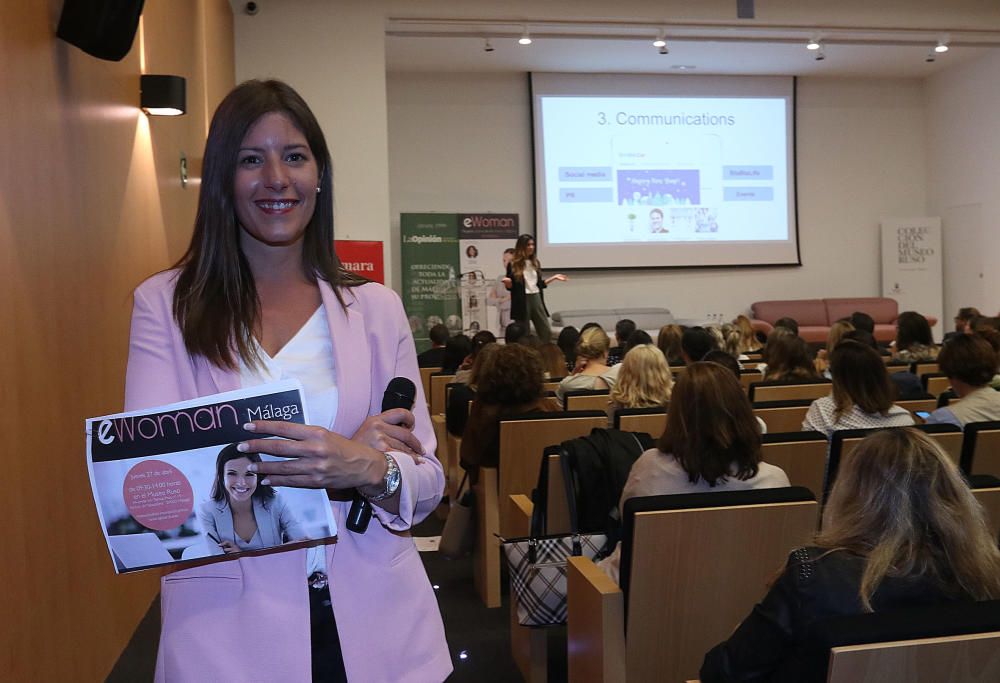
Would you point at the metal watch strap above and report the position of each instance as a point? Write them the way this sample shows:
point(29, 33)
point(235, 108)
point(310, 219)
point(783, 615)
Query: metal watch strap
point(392, 480)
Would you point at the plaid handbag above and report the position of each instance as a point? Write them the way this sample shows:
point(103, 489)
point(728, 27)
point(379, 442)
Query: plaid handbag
point(538, 574)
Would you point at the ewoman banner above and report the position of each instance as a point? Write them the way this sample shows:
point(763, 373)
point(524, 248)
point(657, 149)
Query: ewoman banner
point(452, 264)
point(911, 265)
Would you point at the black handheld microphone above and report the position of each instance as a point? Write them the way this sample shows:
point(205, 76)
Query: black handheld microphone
point(399, 394)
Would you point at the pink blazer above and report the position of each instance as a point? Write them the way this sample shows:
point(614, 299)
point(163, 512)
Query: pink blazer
point(248, 619)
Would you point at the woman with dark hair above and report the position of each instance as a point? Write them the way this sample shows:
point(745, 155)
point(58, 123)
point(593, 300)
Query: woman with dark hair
point(243, 514)
point(711, 443)
point(479, 341)
point(970, 363)
point(787, 357)
point(862, 396)
point(914, 341)
point(510, 383)
point(526, 284)
point(456, 350)
point(901, 529)
point(567, 340)
point(258, 296)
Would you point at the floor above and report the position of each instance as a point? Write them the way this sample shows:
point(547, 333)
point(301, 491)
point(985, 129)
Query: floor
point(479, 638)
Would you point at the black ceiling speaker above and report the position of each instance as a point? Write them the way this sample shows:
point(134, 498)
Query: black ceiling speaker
point(744, 9)
point(102, 28)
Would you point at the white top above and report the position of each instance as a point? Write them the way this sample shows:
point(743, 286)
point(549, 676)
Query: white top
point(530, 278)
point(656, 473)
point(307, 357)
point(820, 418)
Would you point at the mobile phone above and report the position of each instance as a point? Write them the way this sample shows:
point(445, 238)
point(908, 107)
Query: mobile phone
point(922, 414)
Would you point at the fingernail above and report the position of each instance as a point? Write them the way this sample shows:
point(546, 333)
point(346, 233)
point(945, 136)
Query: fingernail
point(250, 427)
point(243, 447)
point(252, 467)
point(265, 481)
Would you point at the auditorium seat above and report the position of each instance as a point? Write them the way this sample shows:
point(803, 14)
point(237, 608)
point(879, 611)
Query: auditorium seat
point(782, 416)
point(652, 420)
point(586, 399)
point(788, 390)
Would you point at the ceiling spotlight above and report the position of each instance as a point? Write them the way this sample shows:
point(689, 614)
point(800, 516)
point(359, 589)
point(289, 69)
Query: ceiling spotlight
point(487, 46)
point(660, 40)
point(942, 46)
point(813, 44)
point(525, 38)
point(663, 50)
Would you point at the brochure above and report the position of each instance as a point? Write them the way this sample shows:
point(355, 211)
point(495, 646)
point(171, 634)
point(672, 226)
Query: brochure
point(170, 486)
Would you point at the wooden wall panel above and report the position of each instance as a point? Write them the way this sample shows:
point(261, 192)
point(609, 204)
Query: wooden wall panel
point(90, 205)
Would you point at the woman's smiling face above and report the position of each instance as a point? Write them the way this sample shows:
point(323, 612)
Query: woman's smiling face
point(240, 482)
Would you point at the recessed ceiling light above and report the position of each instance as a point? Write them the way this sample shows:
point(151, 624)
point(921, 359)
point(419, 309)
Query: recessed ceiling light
point(525, 38)
point(941, 46)
point(660, 40)
point(683, 67)
point(813, 44)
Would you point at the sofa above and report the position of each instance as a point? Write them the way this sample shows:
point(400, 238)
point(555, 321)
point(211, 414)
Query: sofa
point(815, 316)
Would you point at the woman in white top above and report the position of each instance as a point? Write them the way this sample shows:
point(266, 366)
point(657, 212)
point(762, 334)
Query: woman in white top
point(862, 394)
point(711, 443)
point(526, 284)
point(591, 371)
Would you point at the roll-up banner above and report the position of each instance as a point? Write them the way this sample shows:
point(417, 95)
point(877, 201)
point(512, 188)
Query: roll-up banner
point(911, 266)
point(452, 267)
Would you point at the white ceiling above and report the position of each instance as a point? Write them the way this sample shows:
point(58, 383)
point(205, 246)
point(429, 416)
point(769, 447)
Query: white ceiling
point(588, 55)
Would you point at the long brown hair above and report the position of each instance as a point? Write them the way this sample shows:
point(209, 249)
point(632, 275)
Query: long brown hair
point(215, 299)
point(710, 425)
point(521, 256)
point(860, 379)
point(901, 503)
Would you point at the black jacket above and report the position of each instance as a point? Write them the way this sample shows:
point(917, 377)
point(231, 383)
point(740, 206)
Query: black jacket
point(771, 643)
point(518, 301)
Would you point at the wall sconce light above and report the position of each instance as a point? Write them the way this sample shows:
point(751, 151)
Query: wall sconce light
point(162, 95)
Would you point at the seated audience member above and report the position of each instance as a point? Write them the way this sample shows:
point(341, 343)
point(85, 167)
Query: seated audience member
point(837, 332)
point(787, 357)
point(914, 341)
point(901, 529)
point(729, 340)
point(733, 365)
point(434, 356)
point(623, 330)
point(510, 383)
point(789, 324)
point(480, 340)
point(515, 332)
point(863, 321)
point(643, 381)
point(553, 361)
point(568, 337)
point(711, 443)
point(695, 343)
point(907, 384)
point(970, 363)
point(637, 338)
point(591, 371)
point(531, 340)
point(456, 412)
point(962, 318)
point(669, 342)
point(862, 394)
point(749, 343)
point(455, 352)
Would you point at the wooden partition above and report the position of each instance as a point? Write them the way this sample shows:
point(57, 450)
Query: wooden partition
point(92, 204)
point(967, 658)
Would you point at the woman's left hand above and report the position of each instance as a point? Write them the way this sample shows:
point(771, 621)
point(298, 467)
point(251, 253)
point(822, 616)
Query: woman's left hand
point(319, 459)
point(558, 276)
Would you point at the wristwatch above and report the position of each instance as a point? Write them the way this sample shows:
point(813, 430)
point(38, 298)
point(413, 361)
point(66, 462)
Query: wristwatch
point(393, 478)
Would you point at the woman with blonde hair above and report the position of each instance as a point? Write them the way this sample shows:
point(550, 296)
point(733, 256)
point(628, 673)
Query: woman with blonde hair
point(748, 338)
point(591, 371)
point(835, 335)
point(901, 529)
point(643, 381)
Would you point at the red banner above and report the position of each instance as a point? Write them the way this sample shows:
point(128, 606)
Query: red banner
point(361, 257)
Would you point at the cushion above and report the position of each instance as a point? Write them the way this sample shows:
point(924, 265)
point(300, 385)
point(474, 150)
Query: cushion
point(883, 310)
point(803, 311)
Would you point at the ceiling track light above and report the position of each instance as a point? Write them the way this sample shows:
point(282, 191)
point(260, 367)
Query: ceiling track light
point(942, 46)
point(660, 40)
point(525, 38)
point(813, 44)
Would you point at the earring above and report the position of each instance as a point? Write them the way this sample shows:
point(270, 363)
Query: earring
point(318, 189)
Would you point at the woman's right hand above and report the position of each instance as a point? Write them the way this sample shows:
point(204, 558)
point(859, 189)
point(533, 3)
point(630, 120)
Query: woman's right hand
point(229, 547)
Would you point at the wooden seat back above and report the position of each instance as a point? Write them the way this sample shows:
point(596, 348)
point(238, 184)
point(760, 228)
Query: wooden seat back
point(789, 391)
point(748, 376)
point(802, 455)
point(926, 404)
point(934, 383)
point(652, 421)
point(986, 489)
point(923, 367)
point(782, 416)
point(981, 449)
point(697, 548)
point(437, 396)
point(586, 399)
point(425, 381)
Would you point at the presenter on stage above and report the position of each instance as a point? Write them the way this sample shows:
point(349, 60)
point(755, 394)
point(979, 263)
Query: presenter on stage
point(260, 296)
point(526, 284)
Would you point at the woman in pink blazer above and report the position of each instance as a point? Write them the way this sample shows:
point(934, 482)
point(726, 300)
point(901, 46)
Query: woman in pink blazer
point(260, 265)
